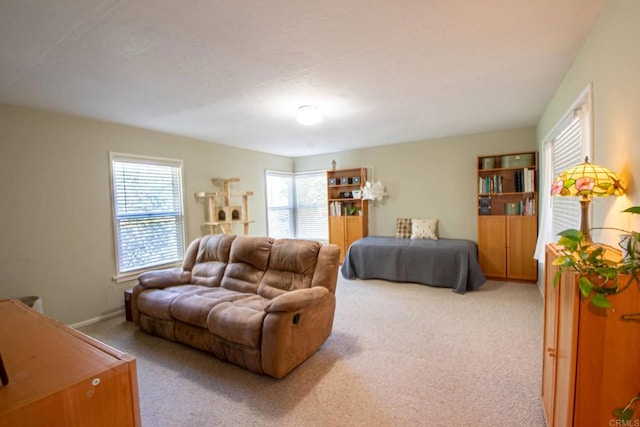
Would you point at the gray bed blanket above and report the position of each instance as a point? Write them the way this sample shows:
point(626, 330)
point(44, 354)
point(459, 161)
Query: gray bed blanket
point(451, 263)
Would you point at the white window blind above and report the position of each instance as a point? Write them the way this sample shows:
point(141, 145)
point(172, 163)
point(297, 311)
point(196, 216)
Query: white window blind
point(567, 152)
point(311, 206)
point(297, 205)
point(148, 212)
point(280, 202)
point(565, 146)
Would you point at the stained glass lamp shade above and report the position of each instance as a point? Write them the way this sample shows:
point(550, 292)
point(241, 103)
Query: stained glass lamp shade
point(586, 180)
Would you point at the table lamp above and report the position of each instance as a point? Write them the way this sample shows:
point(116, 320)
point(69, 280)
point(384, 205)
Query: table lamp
point(586, 180)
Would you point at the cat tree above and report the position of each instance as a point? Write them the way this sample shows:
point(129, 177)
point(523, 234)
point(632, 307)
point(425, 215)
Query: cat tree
point(219, 213)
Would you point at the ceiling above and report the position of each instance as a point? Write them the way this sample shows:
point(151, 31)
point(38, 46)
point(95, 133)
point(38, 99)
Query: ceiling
point(235, 72)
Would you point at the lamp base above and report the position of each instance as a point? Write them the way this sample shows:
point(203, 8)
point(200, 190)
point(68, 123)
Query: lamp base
point(584, 220)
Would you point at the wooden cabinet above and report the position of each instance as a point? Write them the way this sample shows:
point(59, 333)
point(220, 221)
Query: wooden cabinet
point(348, 212)
point(61, 377)
point(522, 235)
point(506, 245)
point(507, 216)
point(492, 246)
point(590, 355)
point(344, 230)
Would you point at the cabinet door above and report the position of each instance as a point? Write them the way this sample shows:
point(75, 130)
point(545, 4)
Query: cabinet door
point(353, 230)
point(549, 344)
point(337, 234)
point(559, 345)
point(608, 350)
point(492, 245)
point(566, 344)
point(522, 233)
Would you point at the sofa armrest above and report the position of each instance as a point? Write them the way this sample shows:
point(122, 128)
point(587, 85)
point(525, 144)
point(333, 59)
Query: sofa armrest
point(164, 278)
point(326, 272)
point(296, 300)
point(295, 326)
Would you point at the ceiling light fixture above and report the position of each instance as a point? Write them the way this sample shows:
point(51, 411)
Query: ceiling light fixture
point(309, 115)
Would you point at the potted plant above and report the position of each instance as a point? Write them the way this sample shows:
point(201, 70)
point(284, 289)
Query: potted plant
point(600, 275)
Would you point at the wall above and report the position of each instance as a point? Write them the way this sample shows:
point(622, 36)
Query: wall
point(57, 239)
point(610, 60)
point(428, 179)
point(57, 234)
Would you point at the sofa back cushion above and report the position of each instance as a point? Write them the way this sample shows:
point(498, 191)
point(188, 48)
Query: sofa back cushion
point(248, 261)
point(291, 267)
point(211, 259)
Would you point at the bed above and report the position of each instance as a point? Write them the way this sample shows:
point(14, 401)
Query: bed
point(451, 263)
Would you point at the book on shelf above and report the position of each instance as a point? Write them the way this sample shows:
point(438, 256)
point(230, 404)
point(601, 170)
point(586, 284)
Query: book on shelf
point(484, 210)
point(338, 208)
point(335, 209)
point(528, 207)
point(490, 184)
point(484, 205)
point(524, 180)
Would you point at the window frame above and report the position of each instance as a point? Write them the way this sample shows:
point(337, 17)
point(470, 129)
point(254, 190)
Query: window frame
point(124, 276)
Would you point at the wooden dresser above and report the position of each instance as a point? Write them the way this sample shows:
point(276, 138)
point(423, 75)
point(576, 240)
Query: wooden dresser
point(591, 357)
point(61, 377)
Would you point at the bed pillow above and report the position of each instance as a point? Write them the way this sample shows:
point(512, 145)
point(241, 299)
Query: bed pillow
point(424, 228)
point(403, 228)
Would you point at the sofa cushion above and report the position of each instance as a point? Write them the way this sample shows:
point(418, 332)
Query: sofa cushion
point(157, 302)
point(193, 308)
point(291, 266)
point(211, 260)
point(248, 261)
point(239, 321)
point(215, 247)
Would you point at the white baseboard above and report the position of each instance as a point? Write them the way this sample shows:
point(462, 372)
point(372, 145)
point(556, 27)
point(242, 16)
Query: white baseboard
point(97, 319)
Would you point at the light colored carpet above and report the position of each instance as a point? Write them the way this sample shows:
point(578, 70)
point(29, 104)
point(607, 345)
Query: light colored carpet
point(399, 355)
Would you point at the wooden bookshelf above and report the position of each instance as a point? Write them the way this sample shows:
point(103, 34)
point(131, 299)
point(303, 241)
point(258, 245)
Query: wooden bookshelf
point(507, 193)
point(348, 215)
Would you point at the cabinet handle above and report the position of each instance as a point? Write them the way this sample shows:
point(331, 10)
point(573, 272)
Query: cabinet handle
point(551, 352)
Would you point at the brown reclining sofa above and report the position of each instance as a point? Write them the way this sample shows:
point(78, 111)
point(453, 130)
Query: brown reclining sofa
point(264, 304)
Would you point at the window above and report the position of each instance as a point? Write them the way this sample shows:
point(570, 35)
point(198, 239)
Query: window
point(148, 213)
point(297, 205)
point(567, 151)
point(311, 206)
point(567, 145)
point(280, 203)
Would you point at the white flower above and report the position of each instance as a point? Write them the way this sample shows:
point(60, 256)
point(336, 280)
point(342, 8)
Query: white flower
point(373, 191)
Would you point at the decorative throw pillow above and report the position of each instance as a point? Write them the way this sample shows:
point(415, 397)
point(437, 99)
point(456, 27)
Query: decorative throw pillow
point(403, 228)
point(424, 228)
